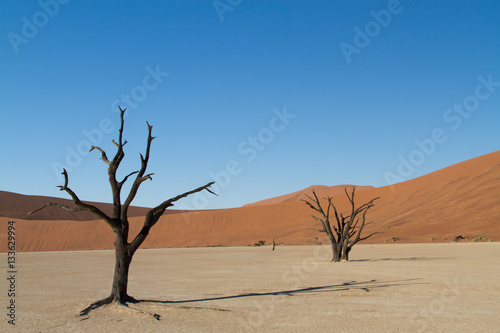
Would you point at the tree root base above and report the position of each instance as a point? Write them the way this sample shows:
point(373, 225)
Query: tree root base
point(124, 304)
point(126, 307)
point(121, 304)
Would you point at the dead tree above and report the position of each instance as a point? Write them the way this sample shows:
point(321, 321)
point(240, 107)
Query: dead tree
point(346, 230)
point(460, 237)
point(118, 221)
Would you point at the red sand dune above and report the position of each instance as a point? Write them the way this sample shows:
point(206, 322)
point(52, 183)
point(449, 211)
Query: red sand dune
point(15, 205)
point(321, 191)
point(463, 199)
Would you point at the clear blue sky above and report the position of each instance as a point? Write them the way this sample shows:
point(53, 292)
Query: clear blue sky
point(284, 94)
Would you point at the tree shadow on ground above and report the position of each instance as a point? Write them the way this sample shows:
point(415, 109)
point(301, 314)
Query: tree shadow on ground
point(401, 259)
point(366, 286)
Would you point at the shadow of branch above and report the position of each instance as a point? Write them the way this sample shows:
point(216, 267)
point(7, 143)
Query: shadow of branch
point(364, 285)
point(401, 259)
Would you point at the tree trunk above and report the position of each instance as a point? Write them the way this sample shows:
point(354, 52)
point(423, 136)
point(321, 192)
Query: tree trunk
point(122, 265)
point(345, 251)
point(336, 249)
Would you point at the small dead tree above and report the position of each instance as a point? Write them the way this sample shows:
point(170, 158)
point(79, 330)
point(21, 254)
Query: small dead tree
point(118, 221)
point(346, 231)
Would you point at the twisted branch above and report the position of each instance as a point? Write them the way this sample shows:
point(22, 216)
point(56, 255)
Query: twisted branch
point(348, 229)
point(104, 157)
point(53, 204)
point(83, 206)
point(155, 213)
point(140, 175)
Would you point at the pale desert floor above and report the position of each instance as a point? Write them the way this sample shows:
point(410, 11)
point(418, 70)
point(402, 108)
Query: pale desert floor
point(385, 288)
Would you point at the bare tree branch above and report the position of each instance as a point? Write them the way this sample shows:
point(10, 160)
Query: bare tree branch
point(83, 206)
point(113, 167)
point(338, 229)
point(140, 175)
point(96, 211)
point(322, 231)
point(315, 204)
point(170, 202)
point(362, 209)
point(310, 203)
point(126, 177)
point(117, 145)
point(363, 238)
point(210, 191)
point(53, 204)
point(119, 153)
point(317, 219)
point(356, 224)
point(348, 229)
point(146, 177)
point(104, 157)
point(155, 213)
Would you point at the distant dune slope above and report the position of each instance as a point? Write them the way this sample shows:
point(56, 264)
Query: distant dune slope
point(321, 191)
point(463, 199)
point(15, 205)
